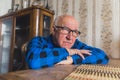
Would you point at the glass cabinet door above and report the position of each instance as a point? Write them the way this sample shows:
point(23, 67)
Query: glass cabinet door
point(5, 45)
point(46, 25)
point(21, 37)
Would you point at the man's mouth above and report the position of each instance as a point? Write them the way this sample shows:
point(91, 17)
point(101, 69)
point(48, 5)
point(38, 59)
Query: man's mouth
point(67, 42)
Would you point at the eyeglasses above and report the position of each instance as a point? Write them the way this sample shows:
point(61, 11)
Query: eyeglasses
point(65, 30)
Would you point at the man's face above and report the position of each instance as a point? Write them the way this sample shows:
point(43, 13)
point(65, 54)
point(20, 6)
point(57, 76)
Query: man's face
point(66, 40)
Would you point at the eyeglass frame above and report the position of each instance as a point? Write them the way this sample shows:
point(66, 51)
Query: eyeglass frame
point(68, 30)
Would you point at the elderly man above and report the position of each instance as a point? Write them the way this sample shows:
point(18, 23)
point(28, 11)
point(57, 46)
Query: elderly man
point(62, 47)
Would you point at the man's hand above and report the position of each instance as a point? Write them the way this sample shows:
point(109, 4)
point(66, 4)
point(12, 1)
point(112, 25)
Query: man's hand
point(69, 60)
point(79, 52)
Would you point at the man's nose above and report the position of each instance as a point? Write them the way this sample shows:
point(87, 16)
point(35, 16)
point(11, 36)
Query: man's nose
point(69, 36)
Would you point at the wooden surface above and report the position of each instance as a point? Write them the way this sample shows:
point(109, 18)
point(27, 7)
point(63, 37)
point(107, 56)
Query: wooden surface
point(54, 73)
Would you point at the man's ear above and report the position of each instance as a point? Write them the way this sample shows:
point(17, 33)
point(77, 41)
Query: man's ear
point(53, 30)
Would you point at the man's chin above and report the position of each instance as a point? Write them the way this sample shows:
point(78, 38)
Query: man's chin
point(67, 47)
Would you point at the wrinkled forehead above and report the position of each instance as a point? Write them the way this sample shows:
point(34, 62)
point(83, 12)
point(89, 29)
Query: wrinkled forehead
point(68, 21)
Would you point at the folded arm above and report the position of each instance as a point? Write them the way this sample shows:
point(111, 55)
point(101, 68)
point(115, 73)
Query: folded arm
point(97, 56)
point(39, 54)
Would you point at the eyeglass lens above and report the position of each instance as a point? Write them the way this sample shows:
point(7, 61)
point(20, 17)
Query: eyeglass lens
point(66, 30)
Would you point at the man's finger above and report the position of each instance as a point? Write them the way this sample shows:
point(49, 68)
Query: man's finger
point(85, 52)
point(81, 55)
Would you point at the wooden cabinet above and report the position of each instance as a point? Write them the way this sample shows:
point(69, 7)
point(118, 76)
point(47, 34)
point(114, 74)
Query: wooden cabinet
point(19, 27)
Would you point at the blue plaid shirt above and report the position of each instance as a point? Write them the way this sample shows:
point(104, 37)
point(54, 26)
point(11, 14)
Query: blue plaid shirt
point(42, 52)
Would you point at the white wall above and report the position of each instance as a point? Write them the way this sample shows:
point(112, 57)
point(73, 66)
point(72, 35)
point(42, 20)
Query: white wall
point(5, 5)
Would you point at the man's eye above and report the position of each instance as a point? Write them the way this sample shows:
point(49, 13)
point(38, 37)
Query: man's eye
point(65, 31)
point(76, 31)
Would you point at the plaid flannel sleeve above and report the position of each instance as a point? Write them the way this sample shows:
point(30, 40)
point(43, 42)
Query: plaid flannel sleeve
point(98, 56)
point(39, 55)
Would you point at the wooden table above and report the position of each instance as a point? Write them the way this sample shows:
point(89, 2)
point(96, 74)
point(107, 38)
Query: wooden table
point(54, 73)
